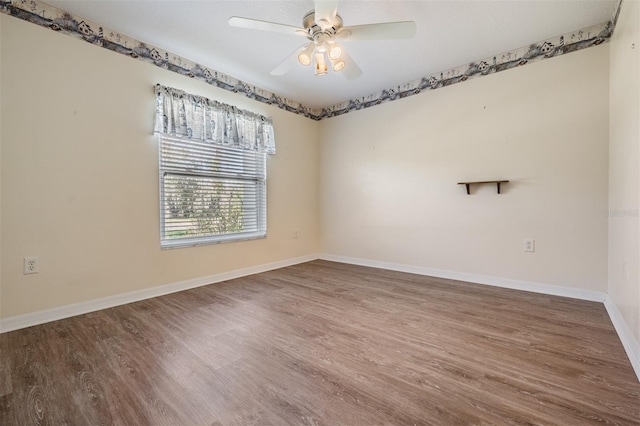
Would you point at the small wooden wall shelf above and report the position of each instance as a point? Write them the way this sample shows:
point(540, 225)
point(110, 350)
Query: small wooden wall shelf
point(497, 182)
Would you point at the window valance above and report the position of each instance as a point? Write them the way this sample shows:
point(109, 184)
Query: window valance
point(195, 117)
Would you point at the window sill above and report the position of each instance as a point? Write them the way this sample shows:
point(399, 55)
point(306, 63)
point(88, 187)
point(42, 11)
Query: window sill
point(205, 241)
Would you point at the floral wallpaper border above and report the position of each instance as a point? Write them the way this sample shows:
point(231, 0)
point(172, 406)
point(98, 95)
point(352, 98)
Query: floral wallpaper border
point(42, 14)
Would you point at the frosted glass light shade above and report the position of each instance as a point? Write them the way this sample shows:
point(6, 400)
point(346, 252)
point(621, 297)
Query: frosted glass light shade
point(321, 64)
point(306, 55)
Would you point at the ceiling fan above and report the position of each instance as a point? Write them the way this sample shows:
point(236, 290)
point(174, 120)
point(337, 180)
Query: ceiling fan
point(323, 26)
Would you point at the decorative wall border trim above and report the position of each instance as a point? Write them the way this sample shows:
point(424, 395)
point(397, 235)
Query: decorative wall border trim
point(54, 314)
point(42, 14)
point(567, 43)
point(47, 16)
point(616, 14)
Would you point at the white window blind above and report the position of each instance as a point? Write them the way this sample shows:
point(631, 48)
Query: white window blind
point(210, 192)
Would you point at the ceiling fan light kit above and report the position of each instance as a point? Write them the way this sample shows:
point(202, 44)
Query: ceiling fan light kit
point(322, 26)
point(322, 45)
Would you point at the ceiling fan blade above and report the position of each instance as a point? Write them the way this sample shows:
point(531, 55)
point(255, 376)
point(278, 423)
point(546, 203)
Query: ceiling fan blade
point(326, 10)
point(254, 24)
point(382, 31)
point(351, 69)
point(284, 66)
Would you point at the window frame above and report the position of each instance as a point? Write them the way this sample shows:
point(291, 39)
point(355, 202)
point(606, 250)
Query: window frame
point(193, 241)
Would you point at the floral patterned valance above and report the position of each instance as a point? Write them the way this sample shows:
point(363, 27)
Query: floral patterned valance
point(195, 117)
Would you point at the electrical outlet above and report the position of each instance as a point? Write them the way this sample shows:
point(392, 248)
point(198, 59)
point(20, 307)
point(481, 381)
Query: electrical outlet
point(530, 245)
point(31, 265)
point(296, 233)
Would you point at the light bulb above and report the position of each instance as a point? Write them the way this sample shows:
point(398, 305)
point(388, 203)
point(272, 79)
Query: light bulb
point(321, 65)
point(338, 65)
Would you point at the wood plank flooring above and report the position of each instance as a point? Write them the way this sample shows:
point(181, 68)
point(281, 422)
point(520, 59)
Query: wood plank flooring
point(324, 343)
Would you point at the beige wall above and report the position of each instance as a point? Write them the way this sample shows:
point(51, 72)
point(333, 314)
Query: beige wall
point(624, 161)
point(79, 185)
point(389, 174)
point(80, 176)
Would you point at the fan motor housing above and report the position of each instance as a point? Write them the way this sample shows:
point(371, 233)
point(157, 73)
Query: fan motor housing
point(314, 29)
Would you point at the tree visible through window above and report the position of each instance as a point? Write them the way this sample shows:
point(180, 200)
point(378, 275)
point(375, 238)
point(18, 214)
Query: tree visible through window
point(200, 206)
point(210, 193)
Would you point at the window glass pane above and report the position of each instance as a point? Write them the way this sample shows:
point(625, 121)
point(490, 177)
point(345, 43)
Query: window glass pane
point(210, 193)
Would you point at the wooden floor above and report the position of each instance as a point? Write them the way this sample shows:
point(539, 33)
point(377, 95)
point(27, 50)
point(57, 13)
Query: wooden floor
point(324, 343)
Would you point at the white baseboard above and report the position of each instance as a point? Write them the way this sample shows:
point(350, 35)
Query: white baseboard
point(631, 346)
point(554, 290)
point(41, 317)
point(27, 320)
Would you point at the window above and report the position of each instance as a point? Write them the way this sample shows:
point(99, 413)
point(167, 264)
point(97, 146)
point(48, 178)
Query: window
point(212, 170)
point(210, 193)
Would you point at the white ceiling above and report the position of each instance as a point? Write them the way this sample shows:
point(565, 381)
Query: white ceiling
point(450, 33)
